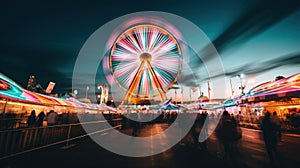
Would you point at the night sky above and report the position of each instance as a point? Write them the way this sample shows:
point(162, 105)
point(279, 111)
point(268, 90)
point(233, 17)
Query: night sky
point(254, 37)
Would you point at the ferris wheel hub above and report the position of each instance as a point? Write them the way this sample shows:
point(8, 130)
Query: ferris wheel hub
point(145, 57)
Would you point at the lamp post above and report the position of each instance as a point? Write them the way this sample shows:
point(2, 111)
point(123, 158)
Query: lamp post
point(87, 89)
point(175, 87)
point(75, 92)
point(232, 91)
point(100, 91)
point(243, 86)
point(99, 97)
point(176, 95)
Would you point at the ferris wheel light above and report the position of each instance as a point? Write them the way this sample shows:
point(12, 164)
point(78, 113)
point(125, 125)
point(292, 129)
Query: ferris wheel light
point(144, 59)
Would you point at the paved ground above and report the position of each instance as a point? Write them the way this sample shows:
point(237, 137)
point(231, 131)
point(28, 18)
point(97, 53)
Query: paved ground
point(86, 153)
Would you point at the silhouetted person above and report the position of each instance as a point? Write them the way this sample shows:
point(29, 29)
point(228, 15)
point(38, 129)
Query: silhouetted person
point(275, 119)
point(66, 118)
point(204, 117)
point(31, 119)
point(270, 137)
point(195, 130)
point(134, 123)
point(52, 118)
point(199, 127)
point(227, 134)
point(183, 123)
point(40, 119)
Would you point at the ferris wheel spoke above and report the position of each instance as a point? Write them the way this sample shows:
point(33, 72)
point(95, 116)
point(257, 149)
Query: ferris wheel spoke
point(119, 56)
point(157, 43)
point(126, 46)
point(152, 39)
point(172, 65)
point(122, 71)
point(166, 76)
point(120, 64)
point(167, 58)
point(127, 78)
point(163, 71)
point(141, 38)
point(164, 48)
point(133, 40)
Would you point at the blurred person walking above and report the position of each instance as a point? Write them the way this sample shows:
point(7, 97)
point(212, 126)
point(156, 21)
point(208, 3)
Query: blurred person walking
point(52, 118)
point(40, 119)
point(199, 127)
point(31, 119)
point(270, 137)
point(275, 119)
point(228, 134)
point(134, 122)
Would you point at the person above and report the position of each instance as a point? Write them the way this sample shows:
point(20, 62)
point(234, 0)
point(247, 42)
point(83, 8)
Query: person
point(31, 119)
point(238, 117)
point(134, 123)
point(275, 119)
point(204, 117)
point(197, 128)
point(195, 131)
point(66, 118)
point(183, 123)
point(40, 119)
point(52, 118)
point(269, 135)
point(227, 133)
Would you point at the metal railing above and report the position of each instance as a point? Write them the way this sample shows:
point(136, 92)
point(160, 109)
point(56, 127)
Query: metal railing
point(17, 141)
point(12, 123)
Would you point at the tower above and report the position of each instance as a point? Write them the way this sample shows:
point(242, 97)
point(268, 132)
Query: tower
point(103, 93)
point(31, 86)
point(104, 97)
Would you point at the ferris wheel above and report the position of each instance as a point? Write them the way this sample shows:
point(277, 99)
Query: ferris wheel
point(145, 61)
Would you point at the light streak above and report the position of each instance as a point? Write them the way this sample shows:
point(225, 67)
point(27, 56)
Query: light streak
point(125, 58)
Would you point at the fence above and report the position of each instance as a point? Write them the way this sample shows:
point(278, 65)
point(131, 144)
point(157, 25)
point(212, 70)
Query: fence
point(18, 141)
point(12, 123)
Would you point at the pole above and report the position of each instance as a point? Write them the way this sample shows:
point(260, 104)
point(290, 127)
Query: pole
point(232, 92)
point(4, 108)
point(243, 86)
point(208, 89)
point(181, 94)
point(69, 133)
point(190, 94)
point(176, 95)
point(87, 88)
point(68, 139)
point(200, 90)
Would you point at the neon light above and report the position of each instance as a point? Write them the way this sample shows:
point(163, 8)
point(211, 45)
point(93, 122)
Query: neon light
point(14, 91)
point(126, 52)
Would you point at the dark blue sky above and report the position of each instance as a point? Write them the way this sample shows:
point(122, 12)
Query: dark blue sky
point(44, 38)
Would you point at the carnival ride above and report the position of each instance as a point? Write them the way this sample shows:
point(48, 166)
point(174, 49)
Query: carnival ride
point(283, 89)
point(15, 99)
point(145, 61)
point(282, 96)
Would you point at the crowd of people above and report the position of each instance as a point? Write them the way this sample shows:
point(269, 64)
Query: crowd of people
point(37, 121)
point(227, 130)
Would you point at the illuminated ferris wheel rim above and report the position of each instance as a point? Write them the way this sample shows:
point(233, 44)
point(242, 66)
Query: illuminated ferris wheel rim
point(143, 53)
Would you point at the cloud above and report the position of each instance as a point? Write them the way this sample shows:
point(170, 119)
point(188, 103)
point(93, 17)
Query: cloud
point(255, 21)
point(258, 19)
point(292, 59)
